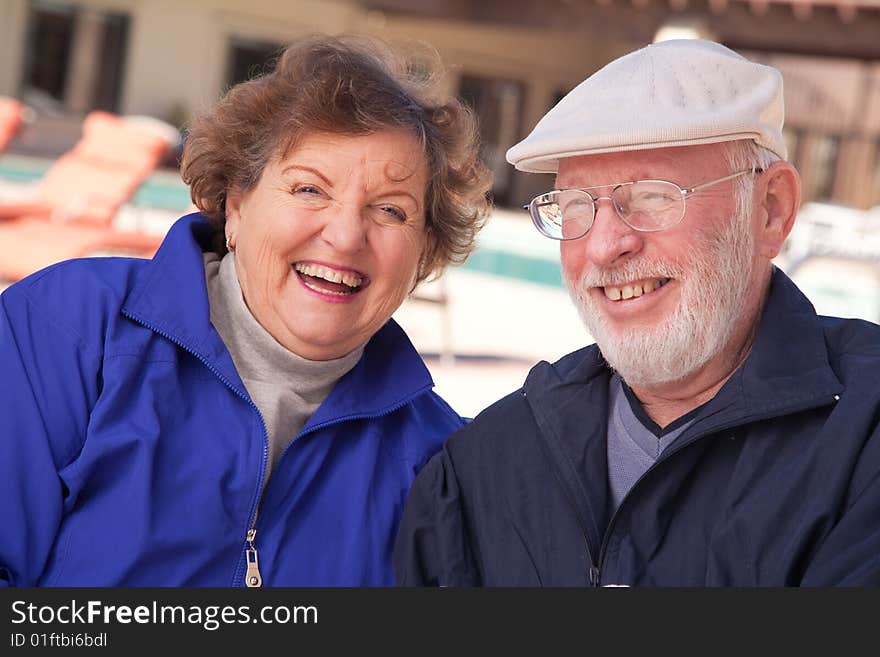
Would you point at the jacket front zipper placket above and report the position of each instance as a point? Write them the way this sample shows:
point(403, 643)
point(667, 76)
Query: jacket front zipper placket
point(252, 577)
point(598, 568)
point(548, 449)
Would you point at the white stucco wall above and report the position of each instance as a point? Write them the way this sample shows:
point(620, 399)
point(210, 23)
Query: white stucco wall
point(178, 50)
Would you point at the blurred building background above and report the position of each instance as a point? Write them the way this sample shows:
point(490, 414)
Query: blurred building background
point(512, 60)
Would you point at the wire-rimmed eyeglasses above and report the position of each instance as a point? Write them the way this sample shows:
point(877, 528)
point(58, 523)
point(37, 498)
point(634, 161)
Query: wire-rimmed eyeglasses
point(643, 205)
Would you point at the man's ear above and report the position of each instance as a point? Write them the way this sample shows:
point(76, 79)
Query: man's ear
point(778, 192)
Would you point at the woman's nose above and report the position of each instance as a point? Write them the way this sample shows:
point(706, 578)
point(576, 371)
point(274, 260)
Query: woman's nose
point(345, 228)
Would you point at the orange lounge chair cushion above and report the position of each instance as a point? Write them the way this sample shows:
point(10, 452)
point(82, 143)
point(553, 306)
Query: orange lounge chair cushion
point(11, 119)
point(30, 244)
point(98, 175)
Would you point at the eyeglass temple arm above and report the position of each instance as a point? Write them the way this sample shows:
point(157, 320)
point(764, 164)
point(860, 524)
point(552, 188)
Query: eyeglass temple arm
point(721, 180)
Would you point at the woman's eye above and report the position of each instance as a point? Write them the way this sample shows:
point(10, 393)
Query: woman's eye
point(393, 212)
point(307, 190)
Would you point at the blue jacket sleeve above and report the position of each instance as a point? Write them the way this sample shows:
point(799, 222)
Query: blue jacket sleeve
point(48, 385)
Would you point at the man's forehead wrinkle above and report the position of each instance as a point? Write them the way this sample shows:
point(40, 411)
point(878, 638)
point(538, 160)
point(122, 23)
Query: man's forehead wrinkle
point(613, 168)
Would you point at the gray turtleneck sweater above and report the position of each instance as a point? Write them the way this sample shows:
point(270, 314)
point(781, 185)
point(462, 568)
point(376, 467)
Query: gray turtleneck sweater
point(286, 388)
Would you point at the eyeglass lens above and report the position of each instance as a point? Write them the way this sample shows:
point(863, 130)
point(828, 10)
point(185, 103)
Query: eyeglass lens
point(646, 205)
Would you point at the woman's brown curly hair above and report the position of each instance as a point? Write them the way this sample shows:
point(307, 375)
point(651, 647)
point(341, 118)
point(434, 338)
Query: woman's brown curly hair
point(343, 85)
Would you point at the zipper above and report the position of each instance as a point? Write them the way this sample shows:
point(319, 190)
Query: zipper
point(251, 533)
point(252, 578)
point(609, 530)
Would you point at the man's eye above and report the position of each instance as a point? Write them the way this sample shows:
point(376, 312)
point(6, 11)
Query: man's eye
point(575, 204)
point(653, 198)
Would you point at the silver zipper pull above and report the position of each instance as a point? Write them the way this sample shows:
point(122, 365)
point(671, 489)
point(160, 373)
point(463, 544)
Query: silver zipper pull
point(252, 578)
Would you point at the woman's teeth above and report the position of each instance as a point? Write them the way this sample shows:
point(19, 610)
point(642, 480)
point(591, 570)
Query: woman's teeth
point(350, 279)
point(634, 290)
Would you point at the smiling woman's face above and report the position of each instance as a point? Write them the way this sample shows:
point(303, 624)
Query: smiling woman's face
point(327, 244)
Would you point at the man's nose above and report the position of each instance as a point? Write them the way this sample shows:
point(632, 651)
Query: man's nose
point(345, 228)
point(610, 241)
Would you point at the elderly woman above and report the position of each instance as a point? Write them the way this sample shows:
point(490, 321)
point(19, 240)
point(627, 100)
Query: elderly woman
point(241, 410)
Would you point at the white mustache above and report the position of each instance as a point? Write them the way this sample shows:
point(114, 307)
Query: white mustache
point(629, 272)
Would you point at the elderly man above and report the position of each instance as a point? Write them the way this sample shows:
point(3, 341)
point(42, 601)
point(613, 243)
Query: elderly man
point(719, 433)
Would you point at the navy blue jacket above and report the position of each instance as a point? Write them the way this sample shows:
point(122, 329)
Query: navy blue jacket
point(132, 455)
point(775, 483)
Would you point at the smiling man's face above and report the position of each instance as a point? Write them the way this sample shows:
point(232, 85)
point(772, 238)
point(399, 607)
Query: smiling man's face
point(662, 305)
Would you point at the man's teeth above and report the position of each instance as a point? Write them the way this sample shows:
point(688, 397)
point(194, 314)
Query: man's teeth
point(319, 271)
point(634, 290)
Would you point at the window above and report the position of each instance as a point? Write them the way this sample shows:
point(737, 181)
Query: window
point(498, 104)
point(74, 56)
point(827, 147)
point(114, 45)
point(558, 95)
point(875, 193)
point(49, 40)
point(792, 138)
point(249, 58)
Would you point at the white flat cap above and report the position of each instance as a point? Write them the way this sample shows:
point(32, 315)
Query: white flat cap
point(671, 93)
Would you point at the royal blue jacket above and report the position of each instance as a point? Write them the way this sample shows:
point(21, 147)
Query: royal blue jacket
point(775, 483)
point(132, 455)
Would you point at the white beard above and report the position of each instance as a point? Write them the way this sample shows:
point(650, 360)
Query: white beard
point(713, 286)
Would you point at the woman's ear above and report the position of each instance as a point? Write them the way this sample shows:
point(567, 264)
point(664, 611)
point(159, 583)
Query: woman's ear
point(779, 197)
point(233, 210)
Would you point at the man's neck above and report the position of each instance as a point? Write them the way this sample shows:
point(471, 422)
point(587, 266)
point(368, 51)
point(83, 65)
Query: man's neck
point(666, 402)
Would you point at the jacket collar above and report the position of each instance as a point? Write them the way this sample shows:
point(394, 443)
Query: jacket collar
point(788, 366)
point(169, 296)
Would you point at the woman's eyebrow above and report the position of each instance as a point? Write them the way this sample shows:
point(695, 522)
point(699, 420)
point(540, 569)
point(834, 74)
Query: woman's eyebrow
point(397, 192)
point(302, 167)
